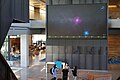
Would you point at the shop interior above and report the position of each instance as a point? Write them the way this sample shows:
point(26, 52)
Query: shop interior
point(37, 49)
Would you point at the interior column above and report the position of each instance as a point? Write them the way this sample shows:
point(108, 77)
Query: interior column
point(24, 49)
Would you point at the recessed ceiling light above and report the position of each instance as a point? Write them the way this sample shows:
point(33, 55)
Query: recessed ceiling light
point(112, 6)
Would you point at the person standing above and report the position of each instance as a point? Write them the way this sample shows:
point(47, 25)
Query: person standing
point(54, 71)
point(74, 72)
point(65, 73)
point(36, 53)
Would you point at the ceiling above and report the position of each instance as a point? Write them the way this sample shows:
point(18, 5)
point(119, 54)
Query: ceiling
point(42, 3)
point(114, 2)
point(38, 4)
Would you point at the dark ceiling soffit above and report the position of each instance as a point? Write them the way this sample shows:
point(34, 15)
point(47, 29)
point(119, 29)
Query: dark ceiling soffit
point(18, 21)
point(114, 31)
point(37, 28)
point(114, 28)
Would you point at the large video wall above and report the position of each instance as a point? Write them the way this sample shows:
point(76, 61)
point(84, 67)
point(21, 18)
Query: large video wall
point(77, 21)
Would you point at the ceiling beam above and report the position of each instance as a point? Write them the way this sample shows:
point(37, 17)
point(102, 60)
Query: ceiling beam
point(42, 1)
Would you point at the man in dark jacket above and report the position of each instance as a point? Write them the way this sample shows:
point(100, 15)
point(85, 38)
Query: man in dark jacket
point(65, 73)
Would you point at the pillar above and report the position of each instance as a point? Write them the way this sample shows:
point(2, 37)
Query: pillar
point(24, 49)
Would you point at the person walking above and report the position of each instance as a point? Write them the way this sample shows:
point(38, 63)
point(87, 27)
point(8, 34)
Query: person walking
point(74, 72)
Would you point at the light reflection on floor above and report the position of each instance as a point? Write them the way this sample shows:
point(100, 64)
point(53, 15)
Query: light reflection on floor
point(16, 69)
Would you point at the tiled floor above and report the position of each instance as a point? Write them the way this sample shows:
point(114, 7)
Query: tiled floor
point(37, 71)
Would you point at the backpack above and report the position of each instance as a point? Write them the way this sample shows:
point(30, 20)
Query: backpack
point(51, 71)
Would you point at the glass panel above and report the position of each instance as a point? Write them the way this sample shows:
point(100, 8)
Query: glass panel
point(69, 59)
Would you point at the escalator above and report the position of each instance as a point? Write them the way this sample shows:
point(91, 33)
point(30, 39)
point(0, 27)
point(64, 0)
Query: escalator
point(10, 11)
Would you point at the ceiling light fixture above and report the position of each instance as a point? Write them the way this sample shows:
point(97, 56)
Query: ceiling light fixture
point(112, 6)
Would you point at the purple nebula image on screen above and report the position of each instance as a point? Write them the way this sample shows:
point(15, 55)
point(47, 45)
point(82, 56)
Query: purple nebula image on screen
point(77, 20)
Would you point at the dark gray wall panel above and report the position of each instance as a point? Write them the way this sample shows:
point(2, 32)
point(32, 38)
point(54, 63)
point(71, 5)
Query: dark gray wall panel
point(49, 42)
point(84, 53)
point(80, 43)
point(55, 53)
point(96, 1)
point(89, 62)
point(75, 60)
point(96, 63)
point(49, 49)
point(55, 2)
point(68, 59)
point(82, 61)
point(97, 43)
point(49, 57)
point(62, 53)
point(75, 1)
point(25, 10)
point(62, 57)
point(61, 50)
point(82, 1)
point(103, 64)
point(68, 42)
point(55, 49)
point(68, 49)
point(62, 42)
point(104, 1)
point(17, 13)
point(89, 1)
point(5, 19)
point(74, 49)
point(55, 57)
point(20, 10)
point(104, 42)
point(55, 42)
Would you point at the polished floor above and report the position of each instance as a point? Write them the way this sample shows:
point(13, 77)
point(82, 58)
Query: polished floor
point(37, 71)
point(34, 72)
